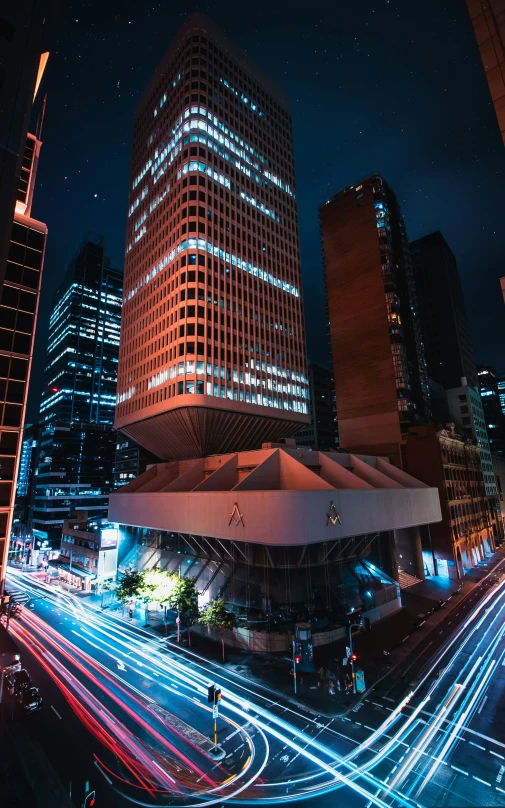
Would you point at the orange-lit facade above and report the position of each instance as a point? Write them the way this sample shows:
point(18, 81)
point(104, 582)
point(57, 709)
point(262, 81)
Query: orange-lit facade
point(19, 300)
point(212, 354)
point(488, 20)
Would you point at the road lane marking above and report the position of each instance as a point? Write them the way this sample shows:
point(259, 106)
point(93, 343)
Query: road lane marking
point(496, 754)
point(56, 711)
point(477, 745)
point(461, 771)
point(481, 781)
point(482, 705)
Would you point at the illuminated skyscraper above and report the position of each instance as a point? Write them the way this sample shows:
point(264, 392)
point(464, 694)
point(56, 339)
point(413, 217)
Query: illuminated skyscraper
point(377, 350)
point(488, 20)
point(19, 287)
point(83, 345)
point(212, 354)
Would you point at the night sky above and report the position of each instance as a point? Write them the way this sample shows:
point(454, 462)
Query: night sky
point(376, 85)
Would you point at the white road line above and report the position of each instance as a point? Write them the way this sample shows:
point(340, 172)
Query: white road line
point(482, 705)
point(56, 711)
point(459, 770)
point(496, 754)
point(477, 745)
point(500, 789)
point(481, 781)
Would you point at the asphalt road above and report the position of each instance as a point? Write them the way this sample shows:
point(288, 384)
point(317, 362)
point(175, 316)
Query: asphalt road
point(96, 670)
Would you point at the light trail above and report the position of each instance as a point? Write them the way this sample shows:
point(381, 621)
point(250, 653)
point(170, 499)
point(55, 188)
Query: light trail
point(326, 761)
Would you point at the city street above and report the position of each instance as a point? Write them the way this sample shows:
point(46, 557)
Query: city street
point(147, 719)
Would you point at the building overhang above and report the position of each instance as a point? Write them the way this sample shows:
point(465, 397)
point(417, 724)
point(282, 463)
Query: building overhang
point(276, 496)
point(198, 425)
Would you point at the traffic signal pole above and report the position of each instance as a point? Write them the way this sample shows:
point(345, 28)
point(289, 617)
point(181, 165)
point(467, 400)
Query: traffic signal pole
point(294, 665)
point(353, 673)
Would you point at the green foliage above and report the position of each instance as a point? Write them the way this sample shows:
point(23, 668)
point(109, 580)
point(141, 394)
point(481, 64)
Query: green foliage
point(130, 585)
point(184, 597)
point(217, 615)
point(157, 586)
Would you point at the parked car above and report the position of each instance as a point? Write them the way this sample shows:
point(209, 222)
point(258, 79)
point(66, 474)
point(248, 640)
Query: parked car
point(18, 680)
point(29, 700)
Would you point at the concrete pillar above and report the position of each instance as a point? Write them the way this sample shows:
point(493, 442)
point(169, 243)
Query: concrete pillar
point(409, 551)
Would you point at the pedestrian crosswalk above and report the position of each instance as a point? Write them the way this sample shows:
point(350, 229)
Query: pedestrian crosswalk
point(17, 595)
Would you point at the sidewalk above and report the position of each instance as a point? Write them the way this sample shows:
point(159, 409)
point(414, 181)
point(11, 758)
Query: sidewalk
point(398, 634)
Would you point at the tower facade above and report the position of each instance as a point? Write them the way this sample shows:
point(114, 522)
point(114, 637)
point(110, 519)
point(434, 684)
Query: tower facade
point(212, 354)
point(488, 20)
point(19, 301)
point(83, 345)
point(376, 345)
point(444, 324)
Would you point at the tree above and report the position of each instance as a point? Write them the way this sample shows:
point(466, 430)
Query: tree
point(184, 597)
point(157, 587)
point(130, 585)
point(216, 614)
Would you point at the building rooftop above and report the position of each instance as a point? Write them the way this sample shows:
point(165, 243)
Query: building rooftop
point(276, 495)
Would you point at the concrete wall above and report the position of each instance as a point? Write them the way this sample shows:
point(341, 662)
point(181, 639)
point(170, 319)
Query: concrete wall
point(278, 517)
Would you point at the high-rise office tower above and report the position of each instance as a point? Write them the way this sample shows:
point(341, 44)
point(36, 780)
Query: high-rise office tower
point(488, 20)
point(19, 297)
point(491, 404)
point(21, 69)
point(77, 439)
point(83, 345)
point(500, 383)
point(212, 354)
point(377, 351)
point(74, 473)
point(320, 433)
point(444, 325)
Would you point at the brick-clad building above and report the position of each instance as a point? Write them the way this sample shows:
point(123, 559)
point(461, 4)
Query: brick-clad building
point(451, 462)
point(212, 354)
point(376, 346)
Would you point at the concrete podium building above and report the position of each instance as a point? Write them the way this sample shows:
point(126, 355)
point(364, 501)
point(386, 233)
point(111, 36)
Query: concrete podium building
point(277, 528)
point(212, 354)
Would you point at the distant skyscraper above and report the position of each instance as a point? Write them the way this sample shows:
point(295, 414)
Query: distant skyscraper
point(495, 421)
point(320, 433)
point(467, 412)
point(83, 344)
point(500, 383)
point(212, 352)
point(130, 460)
point(488, 20)
point(20, 280)
point(444, 325)
point(74, 473)
point(378, 358)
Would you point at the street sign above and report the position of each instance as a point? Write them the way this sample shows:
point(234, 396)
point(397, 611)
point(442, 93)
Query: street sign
point(347, 651)
point(215, 711)
point(344, 661)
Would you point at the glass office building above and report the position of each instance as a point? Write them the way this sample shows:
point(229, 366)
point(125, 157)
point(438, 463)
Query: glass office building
point(82, 354)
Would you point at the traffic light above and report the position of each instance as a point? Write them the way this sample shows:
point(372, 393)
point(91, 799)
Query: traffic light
point(211, 694)
point(298, 659)
point(89, 800)
point(217, 695)
point(354, 658)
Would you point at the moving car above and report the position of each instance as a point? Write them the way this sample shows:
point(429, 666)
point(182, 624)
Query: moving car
point(18, 680)
point(29, 700)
